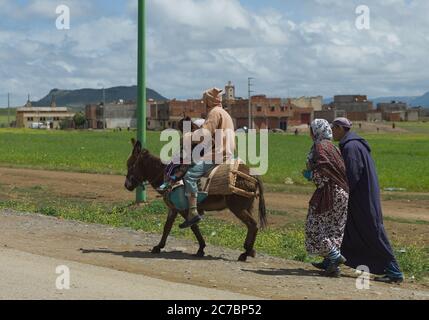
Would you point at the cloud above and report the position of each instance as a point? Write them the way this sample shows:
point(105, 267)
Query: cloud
point(293, 48)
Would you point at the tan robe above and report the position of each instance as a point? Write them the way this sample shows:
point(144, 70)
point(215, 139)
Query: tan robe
point(219, 119)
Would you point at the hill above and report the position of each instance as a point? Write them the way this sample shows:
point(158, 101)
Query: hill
point(80, 98)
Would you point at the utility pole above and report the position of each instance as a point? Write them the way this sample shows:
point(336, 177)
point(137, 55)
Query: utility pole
point(141, 195)
point(8, 109)
point(249, 84)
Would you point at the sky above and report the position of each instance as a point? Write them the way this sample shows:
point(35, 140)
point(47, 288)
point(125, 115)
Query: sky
point(292, 48)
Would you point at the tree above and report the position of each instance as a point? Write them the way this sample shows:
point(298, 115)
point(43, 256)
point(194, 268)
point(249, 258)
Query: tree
point(79, 120)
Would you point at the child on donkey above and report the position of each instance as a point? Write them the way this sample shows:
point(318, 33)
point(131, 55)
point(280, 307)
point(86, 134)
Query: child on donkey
point(176, 169)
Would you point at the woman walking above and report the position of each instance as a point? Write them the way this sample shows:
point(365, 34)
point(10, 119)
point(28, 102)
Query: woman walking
point(327, 214)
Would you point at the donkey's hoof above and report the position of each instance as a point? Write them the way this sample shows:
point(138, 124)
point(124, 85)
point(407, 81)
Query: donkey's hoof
point(200, 254)
point(243, 257)
point(252, 254)
point(156, 250)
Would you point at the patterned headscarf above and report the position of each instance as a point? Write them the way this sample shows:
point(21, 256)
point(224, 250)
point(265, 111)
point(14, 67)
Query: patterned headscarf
point(213, 98)
point(321, 131)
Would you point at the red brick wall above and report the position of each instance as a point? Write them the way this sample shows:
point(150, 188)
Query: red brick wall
point(190, 108)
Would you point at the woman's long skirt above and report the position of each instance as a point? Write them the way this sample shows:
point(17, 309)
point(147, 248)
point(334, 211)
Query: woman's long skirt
point(325, 231)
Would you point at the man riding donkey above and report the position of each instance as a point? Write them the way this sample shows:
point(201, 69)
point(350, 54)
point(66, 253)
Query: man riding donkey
point(219, 147)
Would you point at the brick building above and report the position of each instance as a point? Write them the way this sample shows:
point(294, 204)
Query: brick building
point(267, 113)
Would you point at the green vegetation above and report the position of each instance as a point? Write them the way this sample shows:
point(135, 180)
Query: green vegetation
point(79, 119)
point(401, 159)
point(415, 127)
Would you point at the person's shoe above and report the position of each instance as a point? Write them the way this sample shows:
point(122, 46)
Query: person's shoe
point(333, 269)
point(321, 265)
point(333, 272)
point(387, 279)
point(191, 222)
point(164, 187)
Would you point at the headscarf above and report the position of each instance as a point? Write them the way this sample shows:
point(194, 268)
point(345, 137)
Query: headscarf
point(321, 131)
point(213, 98)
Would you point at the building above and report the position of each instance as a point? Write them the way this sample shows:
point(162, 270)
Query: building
point(195, 109)
point(229, 92)
point(159, 115)
point(42, 117)
point(267, 113)
point(112, 116)
point(412, 115)
point(399, 111)
point(352, 104)
point(374, 116)
point(315, 103)
point(354, 107)
point(392, 106)
point(329, 115)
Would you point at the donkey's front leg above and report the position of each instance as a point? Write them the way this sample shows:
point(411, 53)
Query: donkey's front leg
point(172, 215)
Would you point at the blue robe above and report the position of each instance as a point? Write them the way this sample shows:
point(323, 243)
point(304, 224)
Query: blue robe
point(365, 239)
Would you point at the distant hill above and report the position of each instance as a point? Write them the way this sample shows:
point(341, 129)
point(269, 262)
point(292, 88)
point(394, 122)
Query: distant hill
point(422, 101)
point(410, 100)
point(80, 98)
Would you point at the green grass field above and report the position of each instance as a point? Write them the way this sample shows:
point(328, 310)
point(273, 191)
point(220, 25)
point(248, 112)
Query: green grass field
point(401, 159)
point(3, 119)
point(4, 116)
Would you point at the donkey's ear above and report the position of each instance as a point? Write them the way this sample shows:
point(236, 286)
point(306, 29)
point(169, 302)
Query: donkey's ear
point(137, 147)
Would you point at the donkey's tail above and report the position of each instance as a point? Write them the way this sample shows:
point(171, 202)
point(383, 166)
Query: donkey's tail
point(262, 207)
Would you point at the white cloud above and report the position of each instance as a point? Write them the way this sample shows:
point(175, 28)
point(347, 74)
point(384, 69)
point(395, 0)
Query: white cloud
point(194, 44)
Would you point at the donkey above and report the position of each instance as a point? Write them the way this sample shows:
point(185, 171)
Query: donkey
point(143, 167)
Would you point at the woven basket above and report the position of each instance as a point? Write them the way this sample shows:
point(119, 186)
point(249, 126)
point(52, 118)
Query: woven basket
point(232, 179)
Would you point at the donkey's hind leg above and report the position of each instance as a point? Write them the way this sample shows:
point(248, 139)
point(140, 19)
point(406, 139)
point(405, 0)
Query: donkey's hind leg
point(252, 230)
point(172, 215)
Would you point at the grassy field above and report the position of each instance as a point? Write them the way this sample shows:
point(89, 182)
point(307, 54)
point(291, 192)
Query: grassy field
point(4, 118)
point(401, 159)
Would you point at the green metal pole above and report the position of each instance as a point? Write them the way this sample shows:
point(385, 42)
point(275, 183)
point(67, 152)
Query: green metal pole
point(141, 195)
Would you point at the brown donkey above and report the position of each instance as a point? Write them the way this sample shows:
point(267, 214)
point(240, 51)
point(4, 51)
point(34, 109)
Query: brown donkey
point(145, 167)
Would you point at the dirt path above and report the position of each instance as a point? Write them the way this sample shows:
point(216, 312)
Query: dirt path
point(109, 188)
point(128, 251)
point(27, 276)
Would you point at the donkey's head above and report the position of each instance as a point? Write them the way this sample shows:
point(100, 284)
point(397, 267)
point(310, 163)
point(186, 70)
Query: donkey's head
point(136, 174)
